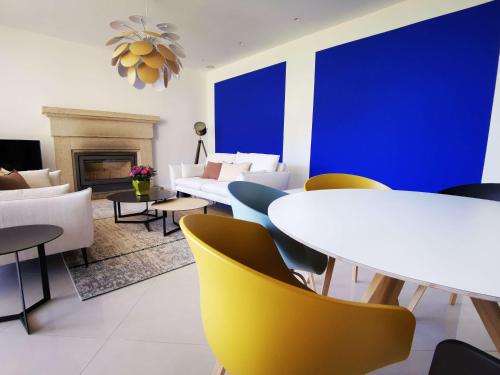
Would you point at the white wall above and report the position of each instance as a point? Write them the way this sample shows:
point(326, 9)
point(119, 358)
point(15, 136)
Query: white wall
point(491, 171)
point(300, 58)
point(38, 70)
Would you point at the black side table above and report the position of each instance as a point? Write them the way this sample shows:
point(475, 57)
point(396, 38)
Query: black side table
point(130, 197)
point(16, 239)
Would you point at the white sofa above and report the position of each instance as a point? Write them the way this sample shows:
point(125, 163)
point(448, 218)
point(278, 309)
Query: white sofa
point(217, 191)
point(49, 205)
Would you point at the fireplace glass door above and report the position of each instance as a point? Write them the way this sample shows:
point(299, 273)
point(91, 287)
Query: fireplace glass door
point(104, 171)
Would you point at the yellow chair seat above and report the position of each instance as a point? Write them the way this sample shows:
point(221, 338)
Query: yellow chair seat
point(259, 319)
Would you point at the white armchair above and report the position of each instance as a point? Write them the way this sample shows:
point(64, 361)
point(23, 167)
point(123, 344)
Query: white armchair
point(72, 212)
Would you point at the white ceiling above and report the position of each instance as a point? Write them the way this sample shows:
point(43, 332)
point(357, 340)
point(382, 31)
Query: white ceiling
point(210, 30)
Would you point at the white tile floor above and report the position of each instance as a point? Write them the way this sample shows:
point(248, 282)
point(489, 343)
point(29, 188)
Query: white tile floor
point(154, 327)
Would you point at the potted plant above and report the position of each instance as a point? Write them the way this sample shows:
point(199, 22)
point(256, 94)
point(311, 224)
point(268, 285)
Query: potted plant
point(141, 178)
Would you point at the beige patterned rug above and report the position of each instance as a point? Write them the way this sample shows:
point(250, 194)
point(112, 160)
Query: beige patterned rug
point(124, 254)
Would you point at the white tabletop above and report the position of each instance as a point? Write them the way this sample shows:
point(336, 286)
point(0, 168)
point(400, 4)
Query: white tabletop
point(436, 240)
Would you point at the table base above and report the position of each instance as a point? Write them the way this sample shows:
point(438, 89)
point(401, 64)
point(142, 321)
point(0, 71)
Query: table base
point(23, 316)
point(489, 312)
point(118, 215)
point(178, 228)
point(384, 290)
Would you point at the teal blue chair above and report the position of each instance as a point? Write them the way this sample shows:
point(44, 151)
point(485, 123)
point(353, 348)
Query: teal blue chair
point(250, 202)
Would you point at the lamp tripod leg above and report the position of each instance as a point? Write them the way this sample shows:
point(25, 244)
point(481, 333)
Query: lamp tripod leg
point(197, 157)
point(204, 149)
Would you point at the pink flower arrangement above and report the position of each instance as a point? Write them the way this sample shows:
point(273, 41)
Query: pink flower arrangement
point(142, 172)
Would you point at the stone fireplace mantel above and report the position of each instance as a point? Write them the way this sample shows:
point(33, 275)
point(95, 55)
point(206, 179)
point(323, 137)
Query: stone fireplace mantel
point(79, 130)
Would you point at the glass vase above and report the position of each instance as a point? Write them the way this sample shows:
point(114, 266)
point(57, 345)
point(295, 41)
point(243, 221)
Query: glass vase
point(141, 187)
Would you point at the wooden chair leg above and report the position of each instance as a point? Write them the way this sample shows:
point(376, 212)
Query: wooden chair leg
point(311, 281)
point(328, 276)
point(355, 274)
point(453, 299)
point(415, 299)
point(218, 369)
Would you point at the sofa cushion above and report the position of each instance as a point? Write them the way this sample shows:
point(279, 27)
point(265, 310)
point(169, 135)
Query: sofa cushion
point(55, 178)
point(216, 187)
point(13, 181)
point(37, 178)
point(191, 182)
point(192, 170)
point(212, 170)
point(220, 157)
point(47, 192)
point(264, 162)
point(243, 157)
point(260, 162)
point(230, 172)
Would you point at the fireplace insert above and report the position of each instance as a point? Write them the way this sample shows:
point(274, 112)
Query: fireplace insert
point(103, 171)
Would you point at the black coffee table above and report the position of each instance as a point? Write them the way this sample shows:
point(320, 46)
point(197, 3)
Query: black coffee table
point(130, 197)
point(16, 239)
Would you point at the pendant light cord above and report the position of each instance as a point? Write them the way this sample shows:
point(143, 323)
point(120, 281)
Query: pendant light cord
point(147, 14)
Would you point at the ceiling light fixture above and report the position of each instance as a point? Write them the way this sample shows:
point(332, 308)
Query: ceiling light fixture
point(296, 19)
point(145, 56)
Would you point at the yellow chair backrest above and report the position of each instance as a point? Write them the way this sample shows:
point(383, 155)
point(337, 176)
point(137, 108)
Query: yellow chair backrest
point(259, 319)
point(342, 181)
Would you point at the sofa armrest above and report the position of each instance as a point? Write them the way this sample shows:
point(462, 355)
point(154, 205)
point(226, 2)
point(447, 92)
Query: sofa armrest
point(277, 180)
point(55, 178)
point(72, 212)
point(174, 172)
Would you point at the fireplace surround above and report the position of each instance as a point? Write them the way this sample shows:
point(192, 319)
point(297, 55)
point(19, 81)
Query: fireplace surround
point(78, 133)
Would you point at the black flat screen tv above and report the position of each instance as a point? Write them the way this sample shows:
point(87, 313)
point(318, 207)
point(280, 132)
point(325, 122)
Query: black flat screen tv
point(21, 155)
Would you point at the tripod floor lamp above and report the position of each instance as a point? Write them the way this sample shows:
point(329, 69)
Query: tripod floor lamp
point(200, 129)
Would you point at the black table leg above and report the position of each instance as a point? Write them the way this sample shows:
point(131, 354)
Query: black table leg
point(178, 228)
point(205, 210)
point(164, 223)
point(119, 209)
point(22, 316)
point(43, 272)
point(115, 211)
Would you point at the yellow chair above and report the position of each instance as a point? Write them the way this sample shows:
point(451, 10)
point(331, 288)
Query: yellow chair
point(259, 319)
point(340, 181)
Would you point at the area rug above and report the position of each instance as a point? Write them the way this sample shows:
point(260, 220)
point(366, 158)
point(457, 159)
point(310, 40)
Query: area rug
point(124, 254)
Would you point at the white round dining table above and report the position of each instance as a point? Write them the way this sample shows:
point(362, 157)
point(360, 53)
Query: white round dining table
point(442, 241)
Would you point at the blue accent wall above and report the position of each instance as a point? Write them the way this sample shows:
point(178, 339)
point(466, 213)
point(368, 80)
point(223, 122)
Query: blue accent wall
point(250, 110)
point(410, 107)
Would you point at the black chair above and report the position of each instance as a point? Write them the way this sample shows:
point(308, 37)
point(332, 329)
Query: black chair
point(482, 191)
point(458, 358)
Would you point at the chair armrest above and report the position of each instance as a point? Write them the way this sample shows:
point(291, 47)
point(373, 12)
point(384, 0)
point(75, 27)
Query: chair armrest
point(174, 172)
point(277, 180)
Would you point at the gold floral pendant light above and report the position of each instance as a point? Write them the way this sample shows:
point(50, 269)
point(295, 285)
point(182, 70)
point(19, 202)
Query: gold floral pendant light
point(144, 56)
